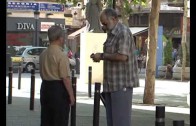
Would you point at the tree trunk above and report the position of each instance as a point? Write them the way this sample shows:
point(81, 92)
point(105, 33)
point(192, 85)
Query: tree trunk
point(151, 53)
point(183, 42)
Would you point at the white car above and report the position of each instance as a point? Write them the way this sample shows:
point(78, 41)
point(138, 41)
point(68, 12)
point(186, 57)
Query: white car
point(30, 57)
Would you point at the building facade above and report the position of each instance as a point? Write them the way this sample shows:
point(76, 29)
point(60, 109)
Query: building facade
point(21, 31)
point(170, 18)
point(27, 22)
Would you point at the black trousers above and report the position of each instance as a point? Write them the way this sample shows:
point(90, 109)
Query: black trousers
point(54, 101)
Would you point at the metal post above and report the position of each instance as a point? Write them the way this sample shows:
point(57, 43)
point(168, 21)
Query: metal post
point(178, 123)
point(96, 104)
point(89, 80)
point(19, 76)
point(36, 14)
point(160, 116)
point(32, 93)
point(10, 86)
point(73, 108)
point(36, 42)
point(8, 62)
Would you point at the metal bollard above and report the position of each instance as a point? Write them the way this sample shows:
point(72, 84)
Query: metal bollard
point(19, 76)
point(160, 116)
point(178, 123)
point(10, 86)
point(96, 104)
point(32, 93)
point(89, 80)
point(73, 108)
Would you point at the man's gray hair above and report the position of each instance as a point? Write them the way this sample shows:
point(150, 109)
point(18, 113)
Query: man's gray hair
point(55, 32)
point(110, 12)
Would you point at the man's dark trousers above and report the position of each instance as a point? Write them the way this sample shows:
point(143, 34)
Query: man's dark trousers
point(54, 104)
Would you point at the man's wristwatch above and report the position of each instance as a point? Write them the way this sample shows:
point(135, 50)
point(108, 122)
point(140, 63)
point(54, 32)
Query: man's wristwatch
point(102, 56)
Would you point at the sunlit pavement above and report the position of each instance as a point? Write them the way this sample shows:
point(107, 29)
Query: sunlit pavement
point(171, 93)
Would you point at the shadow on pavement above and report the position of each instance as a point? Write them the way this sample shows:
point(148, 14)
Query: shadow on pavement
point(19, 114)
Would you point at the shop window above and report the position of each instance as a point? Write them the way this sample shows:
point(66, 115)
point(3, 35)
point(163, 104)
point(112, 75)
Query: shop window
point(19, 38)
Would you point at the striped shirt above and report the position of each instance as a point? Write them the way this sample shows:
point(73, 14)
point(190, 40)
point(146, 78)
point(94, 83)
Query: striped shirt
point(118, 74)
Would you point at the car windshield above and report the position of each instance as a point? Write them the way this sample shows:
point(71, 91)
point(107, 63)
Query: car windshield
point(20, 51)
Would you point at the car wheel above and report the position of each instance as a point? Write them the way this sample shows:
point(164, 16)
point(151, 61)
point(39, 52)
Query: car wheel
point(29, 67)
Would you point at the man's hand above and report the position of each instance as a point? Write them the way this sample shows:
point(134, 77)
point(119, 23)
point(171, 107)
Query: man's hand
point(67, 84)
point(72, 100)
point(96, 57)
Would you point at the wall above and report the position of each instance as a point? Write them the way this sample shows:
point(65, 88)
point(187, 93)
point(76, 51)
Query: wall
point(91, 43)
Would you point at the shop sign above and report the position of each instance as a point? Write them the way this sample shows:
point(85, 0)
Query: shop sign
point(46, 25)
point(13, 5)
point(25, 26)
point(35, 6)
point(51, 7)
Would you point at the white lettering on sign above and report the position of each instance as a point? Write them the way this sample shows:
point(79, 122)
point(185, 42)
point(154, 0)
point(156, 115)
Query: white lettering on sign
point(46, 25)
point(25, 26)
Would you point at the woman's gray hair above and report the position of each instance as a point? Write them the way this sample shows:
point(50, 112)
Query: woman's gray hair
point(110, 12)
point(55, 32)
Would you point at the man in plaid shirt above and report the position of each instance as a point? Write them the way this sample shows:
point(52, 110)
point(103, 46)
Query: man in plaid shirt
point(120, 69)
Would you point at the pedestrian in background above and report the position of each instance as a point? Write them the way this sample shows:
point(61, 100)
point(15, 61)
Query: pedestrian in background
point(120, 69)
point(56, 93)
point(174, 55)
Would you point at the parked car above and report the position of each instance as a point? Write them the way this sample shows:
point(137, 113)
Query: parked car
point(29, 56)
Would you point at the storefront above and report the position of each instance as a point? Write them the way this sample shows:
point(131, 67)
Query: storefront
point(21, 31)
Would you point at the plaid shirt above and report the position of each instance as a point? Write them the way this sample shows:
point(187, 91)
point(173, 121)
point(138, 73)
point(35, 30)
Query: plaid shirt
point(117, 74)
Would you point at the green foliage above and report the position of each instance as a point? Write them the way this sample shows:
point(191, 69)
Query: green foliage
point(127, 4)
point(61, 1)
point(167, 57)
point(109, 3)
point(139, 2)
point(64, 1)
point(127, 7)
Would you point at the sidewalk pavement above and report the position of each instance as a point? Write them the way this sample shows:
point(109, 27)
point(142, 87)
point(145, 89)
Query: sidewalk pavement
point(171, 93)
